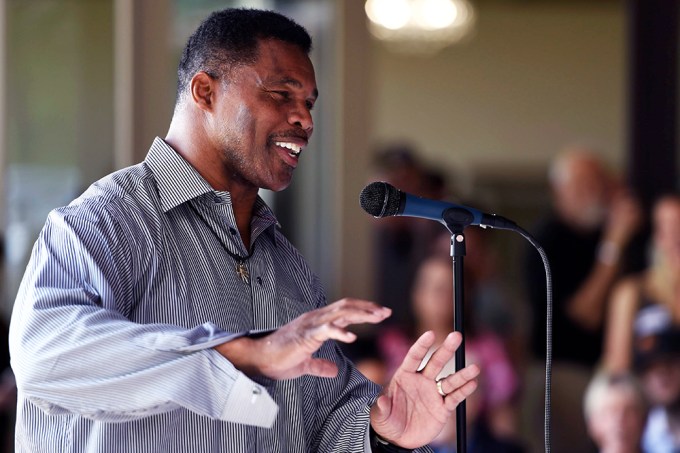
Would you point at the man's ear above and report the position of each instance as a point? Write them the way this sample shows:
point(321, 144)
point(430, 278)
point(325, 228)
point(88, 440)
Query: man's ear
point(203, 90)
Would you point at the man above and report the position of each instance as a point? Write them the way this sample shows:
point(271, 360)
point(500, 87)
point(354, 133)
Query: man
point(585, 238)
point(657, 361)
point(164, 311)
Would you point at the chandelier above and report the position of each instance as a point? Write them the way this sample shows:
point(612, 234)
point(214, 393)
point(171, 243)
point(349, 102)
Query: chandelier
point(419, 26)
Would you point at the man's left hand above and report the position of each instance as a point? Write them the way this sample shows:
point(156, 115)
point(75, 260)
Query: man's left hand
point(410, 412)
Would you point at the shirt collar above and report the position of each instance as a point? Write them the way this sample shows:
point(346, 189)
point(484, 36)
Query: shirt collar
point(179, 182)
point(263, 219)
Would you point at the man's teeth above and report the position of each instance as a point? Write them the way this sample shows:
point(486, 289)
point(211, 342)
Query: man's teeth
point(295, 149)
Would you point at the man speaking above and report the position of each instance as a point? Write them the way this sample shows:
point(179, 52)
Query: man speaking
point(164, 311)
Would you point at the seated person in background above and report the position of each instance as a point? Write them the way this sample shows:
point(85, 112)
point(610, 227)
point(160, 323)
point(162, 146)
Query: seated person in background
point(615, 410)
point(484, 289)
point(400, 243)
point(397, 245)
point(653, 294)
point(657, 361)
point(366, 358)
point(432, 303)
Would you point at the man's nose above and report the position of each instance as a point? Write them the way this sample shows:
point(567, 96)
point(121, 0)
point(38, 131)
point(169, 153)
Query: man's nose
point(301, 117)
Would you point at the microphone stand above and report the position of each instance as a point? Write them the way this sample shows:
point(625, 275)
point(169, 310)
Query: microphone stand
point(456, 219)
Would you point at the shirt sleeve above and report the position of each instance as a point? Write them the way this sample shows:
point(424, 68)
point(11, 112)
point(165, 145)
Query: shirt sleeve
point(74, 351)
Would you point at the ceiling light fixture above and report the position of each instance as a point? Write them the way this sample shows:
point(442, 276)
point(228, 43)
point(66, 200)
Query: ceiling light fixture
point(420, 26)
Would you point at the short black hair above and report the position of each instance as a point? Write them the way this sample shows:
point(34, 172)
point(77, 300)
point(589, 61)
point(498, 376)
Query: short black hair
point(229, 38)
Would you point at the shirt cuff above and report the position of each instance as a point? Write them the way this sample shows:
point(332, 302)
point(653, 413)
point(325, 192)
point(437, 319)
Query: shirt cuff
point(208, 336)
point(250, 403)
point(367, 439)
point(378, 445)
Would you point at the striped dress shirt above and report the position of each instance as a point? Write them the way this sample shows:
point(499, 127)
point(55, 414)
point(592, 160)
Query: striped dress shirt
point(128, 290)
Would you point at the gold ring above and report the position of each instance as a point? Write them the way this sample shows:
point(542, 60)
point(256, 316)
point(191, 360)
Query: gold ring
point(440, 389)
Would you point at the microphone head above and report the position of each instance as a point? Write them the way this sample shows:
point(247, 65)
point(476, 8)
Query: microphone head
point(380, 199)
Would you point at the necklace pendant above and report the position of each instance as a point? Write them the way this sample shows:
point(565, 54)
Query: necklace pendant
point(242, 271)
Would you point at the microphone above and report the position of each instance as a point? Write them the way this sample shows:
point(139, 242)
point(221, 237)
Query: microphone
point(381, 199)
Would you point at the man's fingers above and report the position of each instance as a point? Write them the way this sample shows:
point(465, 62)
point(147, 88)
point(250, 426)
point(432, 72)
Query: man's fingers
point(351, 311)
point(328, 331)
point(459, 386)
point(298, 340)
point(456, 397)
point(344, 318)
point(442, 355)
point(356, 304)
point(418, 352)
point(452, 382)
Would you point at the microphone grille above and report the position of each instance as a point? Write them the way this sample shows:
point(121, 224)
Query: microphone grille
point(380, 199)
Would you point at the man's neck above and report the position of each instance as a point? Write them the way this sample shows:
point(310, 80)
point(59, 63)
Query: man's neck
point(186, 139)
point(243, 204)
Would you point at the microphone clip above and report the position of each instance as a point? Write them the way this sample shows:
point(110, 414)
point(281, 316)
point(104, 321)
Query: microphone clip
point(456, 219)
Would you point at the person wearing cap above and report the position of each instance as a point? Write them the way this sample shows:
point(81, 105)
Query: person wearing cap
point(657, 361)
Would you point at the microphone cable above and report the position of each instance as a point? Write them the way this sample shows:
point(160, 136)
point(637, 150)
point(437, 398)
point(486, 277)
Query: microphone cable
point(547, 414)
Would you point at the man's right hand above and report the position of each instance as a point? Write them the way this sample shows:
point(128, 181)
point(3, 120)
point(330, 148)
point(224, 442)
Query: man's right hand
point(625, 218)
point(287, 352)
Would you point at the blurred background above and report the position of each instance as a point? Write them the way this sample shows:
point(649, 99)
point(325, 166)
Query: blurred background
point(477, 106)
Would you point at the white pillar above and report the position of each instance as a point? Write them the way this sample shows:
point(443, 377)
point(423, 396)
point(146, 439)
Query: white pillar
point(144, 90)
point(353, 141)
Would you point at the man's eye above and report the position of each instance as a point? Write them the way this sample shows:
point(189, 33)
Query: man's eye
point(310, 105)
point(282, 94)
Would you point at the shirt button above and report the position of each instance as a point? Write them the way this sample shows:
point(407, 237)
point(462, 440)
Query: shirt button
point(257, 391)
point(232, 230)
point(259, 281)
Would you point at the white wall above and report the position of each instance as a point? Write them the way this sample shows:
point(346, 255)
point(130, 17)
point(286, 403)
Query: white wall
point(535, 76)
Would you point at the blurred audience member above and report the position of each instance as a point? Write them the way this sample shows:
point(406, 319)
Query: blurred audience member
point(657, 360)
point(650, 297)
point(432, 302)
point(585, 238)
point(402, 242)
point(366, 357)
point(615, 410)
point(486, 297)
point(433, 184)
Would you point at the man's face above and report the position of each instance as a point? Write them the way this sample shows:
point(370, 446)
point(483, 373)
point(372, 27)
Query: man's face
point(666, 223)
point(432, 294)
point(261, 120)
point(661, 381)
point(617, 424)
point(581, 194)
